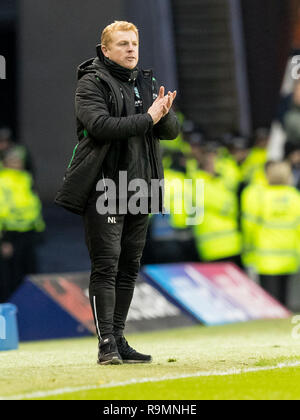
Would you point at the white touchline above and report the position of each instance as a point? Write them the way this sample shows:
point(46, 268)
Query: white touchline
point(54, 392)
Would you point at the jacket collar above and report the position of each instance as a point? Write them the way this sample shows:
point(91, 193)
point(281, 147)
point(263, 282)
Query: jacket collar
point(117, 71)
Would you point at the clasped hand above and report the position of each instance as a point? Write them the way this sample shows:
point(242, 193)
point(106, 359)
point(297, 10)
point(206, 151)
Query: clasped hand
point(162, 105)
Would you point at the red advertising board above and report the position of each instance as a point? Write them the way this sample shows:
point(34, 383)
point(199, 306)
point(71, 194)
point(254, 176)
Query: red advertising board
point(243, 291)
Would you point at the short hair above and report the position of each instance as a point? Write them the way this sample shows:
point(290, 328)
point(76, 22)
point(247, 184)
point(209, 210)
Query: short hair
point(118, 25)
point(279, 173)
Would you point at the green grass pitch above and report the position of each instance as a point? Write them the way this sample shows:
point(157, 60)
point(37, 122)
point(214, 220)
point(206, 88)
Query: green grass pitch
point(256, 360)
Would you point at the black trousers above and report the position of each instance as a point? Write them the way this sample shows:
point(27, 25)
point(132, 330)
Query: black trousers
point(115, 244)
point(277, 286)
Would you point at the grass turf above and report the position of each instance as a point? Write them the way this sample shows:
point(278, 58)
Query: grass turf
point(60, 364)
point(273, 385)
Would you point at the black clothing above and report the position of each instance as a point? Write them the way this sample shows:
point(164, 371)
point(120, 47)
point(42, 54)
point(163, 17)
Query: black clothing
point(115, 250)
point(22, 262)
point(115, 134)
point(130, 355)
point(135, 155)
point(234, 260)
point(102, 130)
point(277, 286)
point(108, 352)
point(166, 245)
point(117, 71)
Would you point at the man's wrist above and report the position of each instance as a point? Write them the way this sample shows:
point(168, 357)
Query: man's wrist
point(150, 118)
point(164, 118)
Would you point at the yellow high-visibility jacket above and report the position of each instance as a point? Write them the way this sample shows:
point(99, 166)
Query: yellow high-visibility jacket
point(217, 235)
point(255, 161)
point(23, 206)
point(4, 210)
point(174, 202)
point(229, 170)
point(271, 229)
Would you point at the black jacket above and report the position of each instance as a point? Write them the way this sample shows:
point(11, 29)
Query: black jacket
point(99, 106)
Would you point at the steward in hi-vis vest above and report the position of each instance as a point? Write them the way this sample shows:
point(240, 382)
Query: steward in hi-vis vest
point(21, 222)
point(217, 235)
point(271, 229)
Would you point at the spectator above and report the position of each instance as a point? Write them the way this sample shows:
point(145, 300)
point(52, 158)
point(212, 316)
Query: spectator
point(196, 141)
point(230, 160)
point(7, 143)
point(217, 237)
point(22, 222)
point(254, 164)
point(170, 238)
point(271, 229)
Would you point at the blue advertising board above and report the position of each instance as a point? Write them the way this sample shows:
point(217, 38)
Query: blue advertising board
point(210, 303)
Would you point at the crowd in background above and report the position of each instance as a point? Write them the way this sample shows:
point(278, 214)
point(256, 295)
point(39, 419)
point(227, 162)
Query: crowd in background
point(251, 205)
point(21, 221)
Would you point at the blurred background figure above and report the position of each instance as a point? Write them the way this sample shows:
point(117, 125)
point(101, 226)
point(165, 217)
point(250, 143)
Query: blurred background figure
point(7, 144)
point(5, 141)
point(254, 164)
point(292, 119)
point(271, 229)
point(231, 156)
point(196, 140)
point(293, 158)
point(217, 237)
point(22, 222)
point(170, 237)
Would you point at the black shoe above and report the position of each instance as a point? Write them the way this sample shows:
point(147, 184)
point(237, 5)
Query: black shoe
point(129, 355)
point(108, 352)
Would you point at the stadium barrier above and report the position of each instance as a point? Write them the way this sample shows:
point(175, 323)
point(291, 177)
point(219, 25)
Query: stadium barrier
point(214, 294)
point(57, 306)
point(9, 337)
point(166, 296)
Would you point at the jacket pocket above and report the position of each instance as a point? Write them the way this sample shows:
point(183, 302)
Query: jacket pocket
point(80, 152)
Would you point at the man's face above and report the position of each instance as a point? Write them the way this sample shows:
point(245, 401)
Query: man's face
point(123, 49)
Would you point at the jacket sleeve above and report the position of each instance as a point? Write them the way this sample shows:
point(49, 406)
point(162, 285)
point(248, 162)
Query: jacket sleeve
point(168, 127)
point(92, 110)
